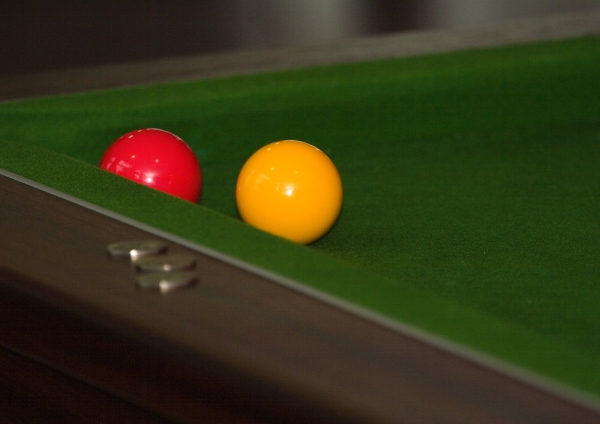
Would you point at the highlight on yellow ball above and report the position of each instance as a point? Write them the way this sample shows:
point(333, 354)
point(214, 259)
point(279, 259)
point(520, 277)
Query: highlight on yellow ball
point(291, 189)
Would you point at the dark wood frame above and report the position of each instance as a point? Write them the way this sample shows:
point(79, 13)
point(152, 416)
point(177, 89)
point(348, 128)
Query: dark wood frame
point(241, 345)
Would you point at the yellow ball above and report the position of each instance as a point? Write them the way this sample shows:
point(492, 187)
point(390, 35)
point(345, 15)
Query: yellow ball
point(291, 189)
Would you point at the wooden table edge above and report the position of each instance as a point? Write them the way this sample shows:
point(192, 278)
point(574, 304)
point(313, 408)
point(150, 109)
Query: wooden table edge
point(55, 307)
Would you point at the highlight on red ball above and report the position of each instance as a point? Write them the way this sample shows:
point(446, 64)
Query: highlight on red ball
point(158, 159)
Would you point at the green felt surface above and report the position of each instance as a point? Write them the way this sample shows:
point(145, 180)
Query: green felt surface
point(472, 195)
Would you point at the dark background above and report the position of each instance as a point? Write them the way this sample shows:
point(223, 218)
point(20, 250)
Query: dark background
point(47, 35)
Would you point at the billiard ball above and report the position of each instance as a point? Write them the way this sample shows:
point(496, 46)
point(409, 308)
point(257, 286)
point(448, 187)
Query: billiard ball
point(157, 159)
point(291, 189)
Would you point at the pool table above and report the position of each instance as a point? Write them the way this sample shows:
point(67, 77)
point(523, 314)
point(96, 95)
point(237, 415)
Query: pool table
point(459, 284)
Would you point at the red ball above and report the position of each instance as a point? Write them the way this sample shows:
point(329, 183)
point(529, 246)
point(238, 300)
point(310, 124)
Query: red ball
point(157, 159)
